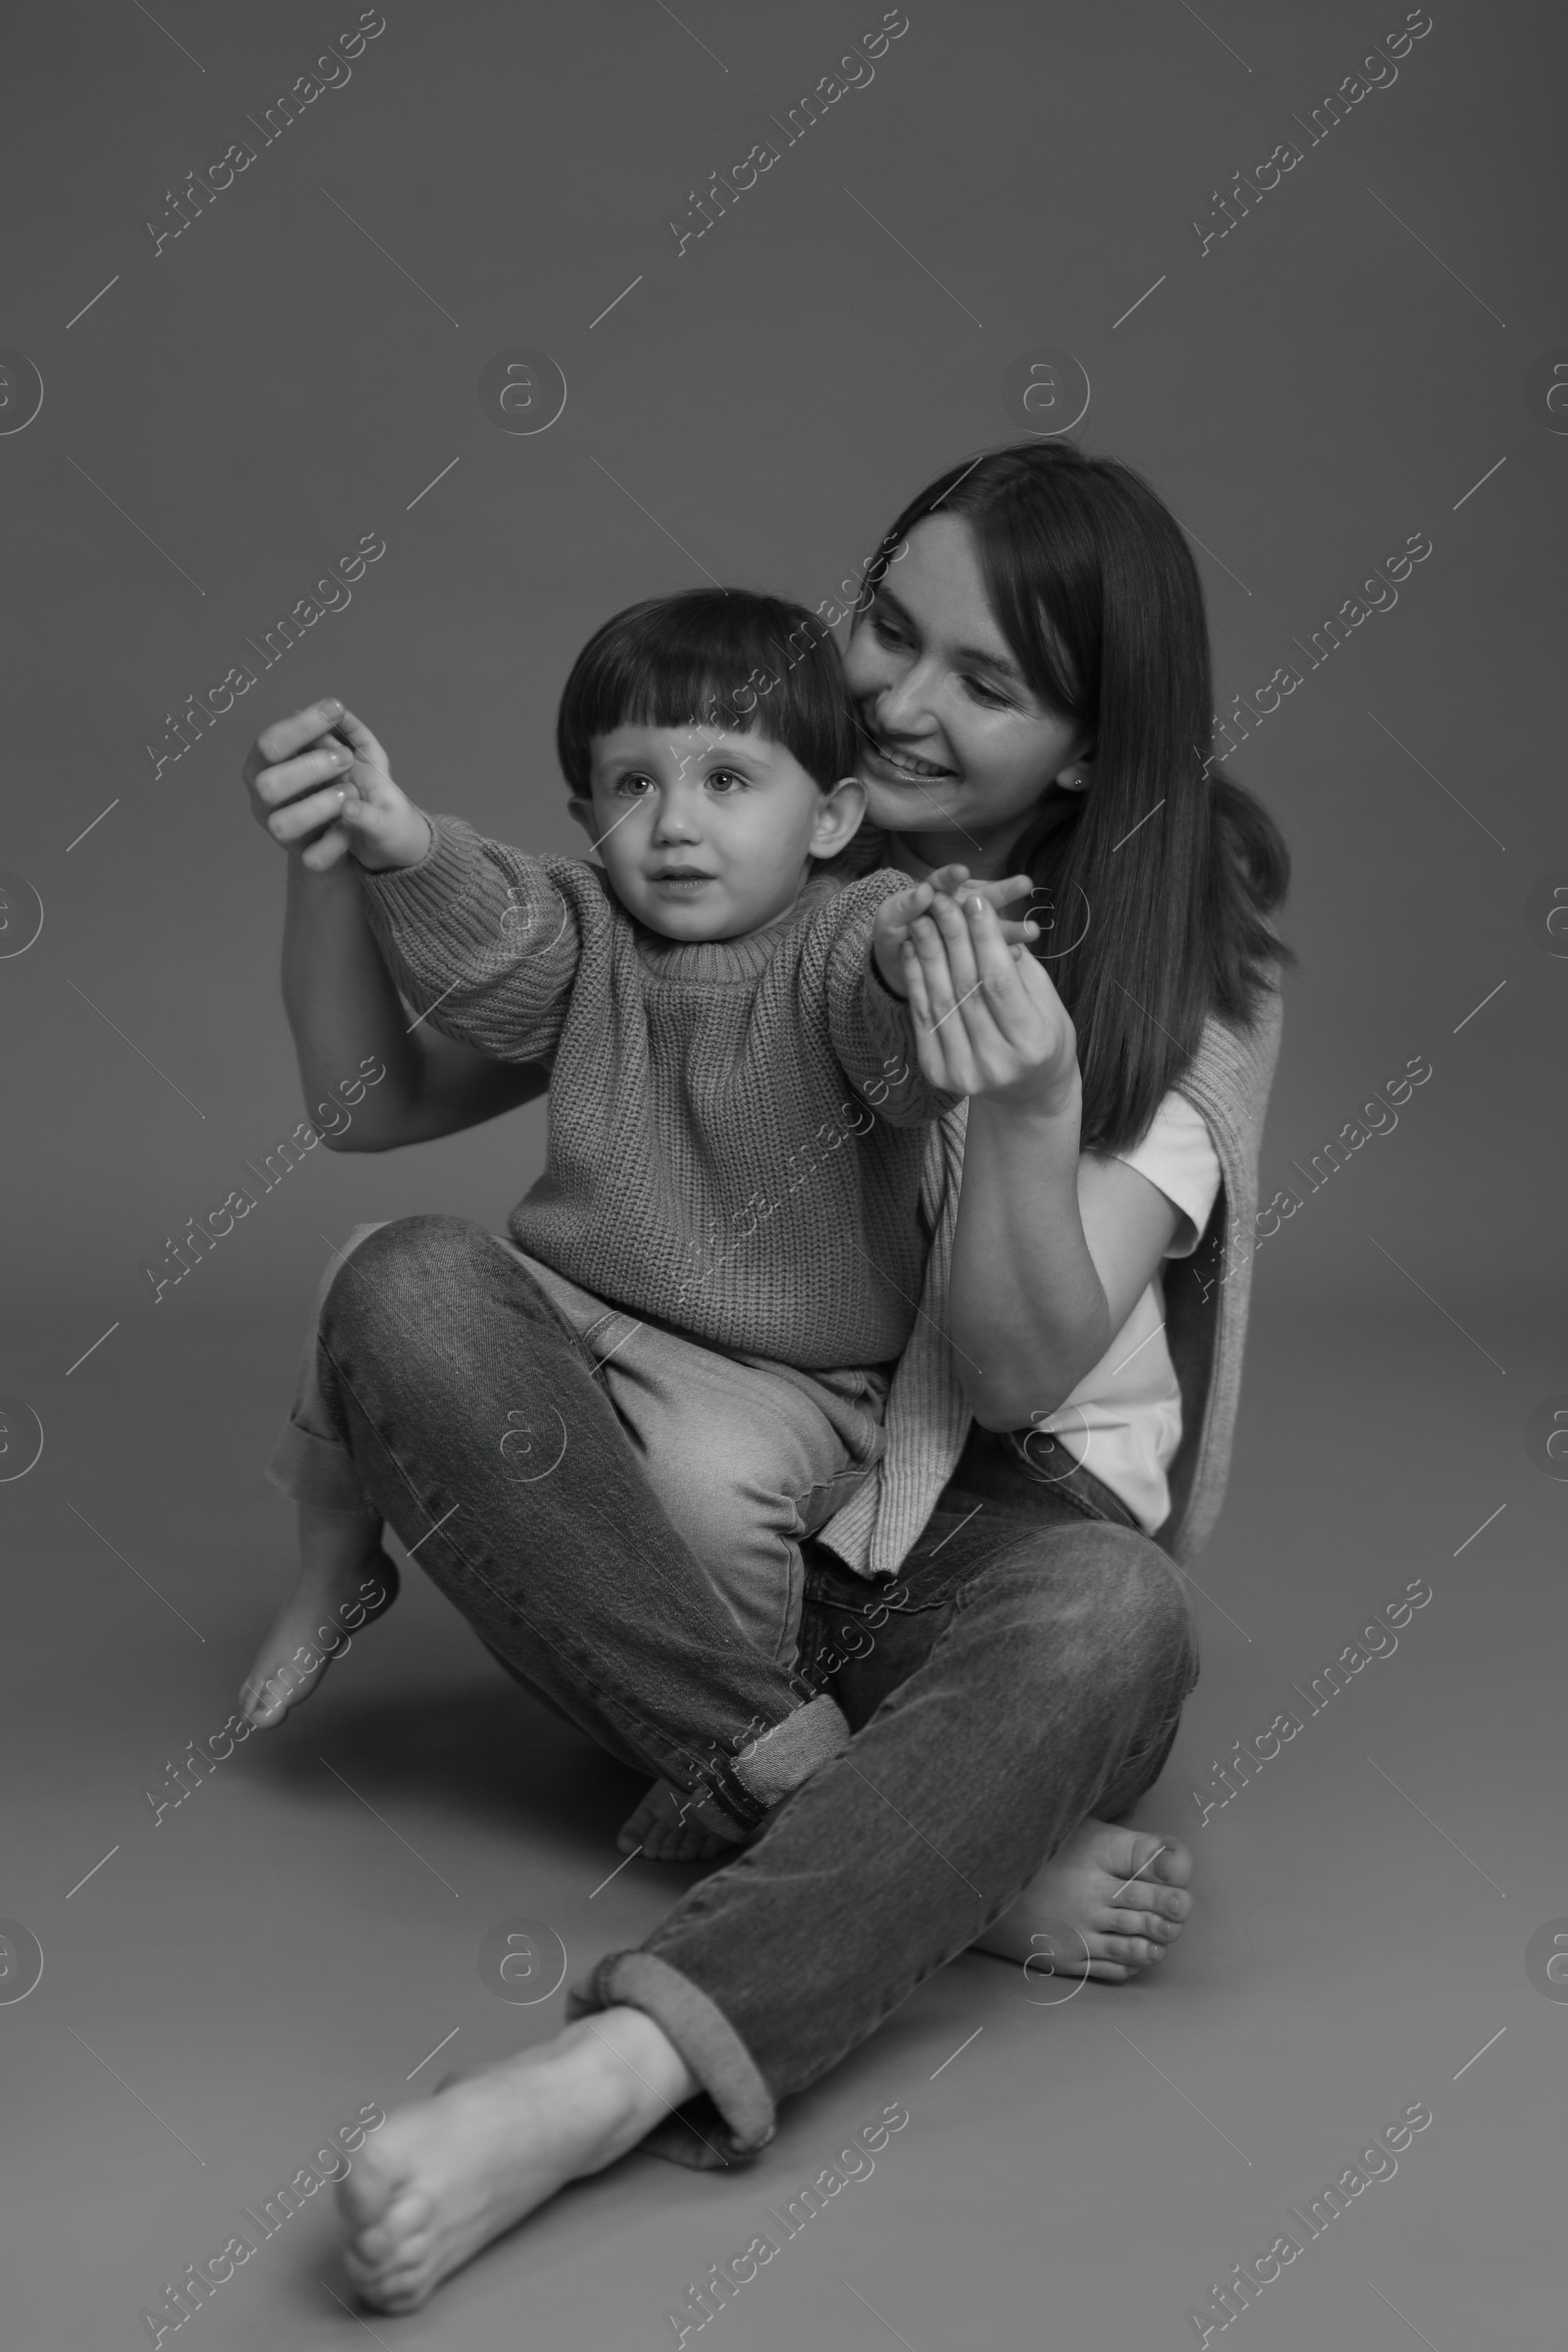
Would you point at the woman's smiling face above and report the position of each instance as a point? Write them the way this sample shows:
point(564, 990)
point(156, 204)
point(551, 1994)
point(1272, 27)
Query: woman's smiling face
point(956, 749)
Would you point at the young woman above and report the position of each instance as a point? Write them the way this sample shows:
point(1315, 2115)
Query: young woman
point(1031, 674)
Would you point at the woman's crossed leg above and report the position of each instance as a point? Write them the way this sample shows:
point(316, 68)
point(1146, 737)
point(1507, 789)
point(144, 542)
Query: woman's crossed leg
point(1034, 1674)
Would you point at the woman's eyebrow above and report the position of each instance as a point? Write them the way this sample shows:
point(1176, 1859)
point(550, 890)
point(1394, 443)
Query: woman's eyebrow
point(973, 657)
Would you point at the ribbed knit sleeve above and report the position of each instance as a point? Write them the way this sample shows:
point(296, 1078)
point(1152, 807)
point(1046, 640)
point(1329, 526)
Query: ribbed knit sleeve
point(871, 1029)
point(485, 937)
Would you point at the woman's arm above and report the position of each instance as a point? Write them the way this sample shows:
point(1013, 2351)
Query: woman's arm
point(1052, 1250)
point(341, 1005)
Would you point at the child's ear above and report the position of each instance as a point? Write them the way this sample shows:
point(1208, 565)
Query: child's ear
point(583, 811)
point(839, 818)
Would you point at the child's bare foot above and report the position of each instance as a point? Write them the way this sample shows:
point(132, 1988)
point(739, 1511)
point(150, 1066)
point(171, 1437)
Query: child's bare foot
point(442, 2179)
point(345, 1580)
point(665, 1828)
point(1118, 1894)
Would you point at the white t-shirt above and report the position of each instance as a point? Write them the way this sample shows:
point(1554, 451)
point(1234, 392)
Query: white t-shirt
point(1123, 1421)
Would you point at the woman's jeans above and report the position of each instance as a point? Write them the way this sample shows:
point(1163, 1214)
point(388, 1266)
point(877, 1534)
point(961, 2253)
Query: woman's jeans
point(1027, 1669)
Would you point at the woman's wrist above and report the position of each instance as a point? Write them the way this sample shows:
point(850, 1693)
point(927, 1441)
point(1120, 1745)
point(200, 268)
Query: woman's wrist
point(1050, 1115)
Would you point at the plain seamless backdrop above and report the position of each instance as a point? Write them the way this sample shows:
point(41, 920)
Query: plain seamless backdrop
point(249, 399)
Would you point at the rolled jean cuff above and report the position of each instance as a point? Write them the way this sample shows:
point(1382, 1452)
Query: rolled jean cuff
point(317, 1471)
point(737, 2117)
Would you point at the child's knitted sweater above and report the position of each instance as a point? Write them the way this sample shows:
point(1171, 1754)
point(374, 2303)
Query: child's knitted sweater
point(737, 1127)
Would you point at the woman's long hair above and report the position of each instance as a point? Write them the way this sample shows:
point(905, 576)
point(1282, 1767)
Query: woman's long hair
point(1168, 869)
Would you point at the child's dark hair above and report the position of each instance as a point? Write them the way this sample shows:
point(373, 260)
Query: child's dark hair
point(714, 658)
point(1095, 590)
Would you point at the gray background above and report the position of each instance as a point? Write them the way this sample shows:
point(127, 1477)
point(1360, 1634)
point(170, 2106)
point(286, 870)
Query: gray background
point(1317, 387)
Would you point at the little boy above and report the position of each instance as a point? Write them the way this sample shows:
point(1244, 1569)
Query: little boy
point(722, 1010)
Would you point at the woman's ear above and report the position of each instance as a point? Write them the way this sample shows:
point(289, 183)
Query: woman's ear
point(1079, 773)
point(839, 818)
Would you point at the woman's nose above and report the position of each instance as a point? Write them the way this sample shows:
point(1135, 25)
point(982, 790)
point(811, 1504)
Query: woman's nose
point(903, 704)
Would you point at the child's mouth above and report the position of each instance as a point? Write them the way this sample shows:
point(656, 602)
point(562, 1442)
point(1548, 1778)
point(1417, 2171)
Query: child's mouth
point(683, 880)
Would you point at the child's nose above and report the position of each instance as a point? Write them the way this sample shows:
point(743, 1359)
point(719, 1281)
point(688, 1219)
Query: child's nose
point(677, 818)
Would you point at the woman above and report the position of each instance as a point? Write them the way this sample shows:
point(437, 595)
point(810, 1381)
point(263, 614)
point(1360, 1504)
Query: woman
point(1030, 672)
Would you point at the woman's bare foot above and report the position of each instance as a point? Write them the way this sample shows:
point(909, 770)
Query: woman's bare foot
point(665, 1828)
point(1118, 1895)
point(345, 1580)
point(442, 2179)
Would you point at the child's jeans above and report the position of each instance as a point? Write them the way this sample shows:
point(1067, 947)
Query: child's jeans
point(744, 1456)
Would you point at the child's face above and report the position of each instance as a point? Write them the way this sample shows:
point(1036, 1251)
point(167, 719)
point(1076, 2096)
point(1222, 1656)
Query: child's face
point(707, 835)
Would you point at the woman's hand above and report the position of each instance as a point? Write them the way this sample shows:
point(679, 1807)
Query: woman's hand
point(988, 1021)
point(895, 916)
point(321, 785)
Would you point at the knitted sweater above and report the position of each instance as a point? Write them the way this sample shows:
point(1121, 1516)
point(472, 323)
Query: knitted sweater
point(928, 1416)
point(702, 1095)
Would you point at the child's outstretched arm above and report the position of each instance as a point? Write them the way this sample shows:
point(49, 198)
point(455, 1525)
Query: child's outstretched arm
point(342, 1006)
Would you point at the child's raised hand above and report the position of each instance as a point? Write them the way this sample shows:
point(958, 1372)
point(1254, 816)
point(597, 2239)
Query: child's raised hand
point(319, 783)
point(954, 881)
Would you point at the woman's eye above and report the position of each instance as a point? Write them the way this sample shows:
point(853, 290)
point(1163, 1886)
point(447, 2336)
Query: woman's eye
point(887, 631)
point(984, 692)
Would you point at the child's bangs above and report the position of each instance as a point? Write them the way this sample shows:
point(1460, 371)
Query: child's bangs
point(729, 660)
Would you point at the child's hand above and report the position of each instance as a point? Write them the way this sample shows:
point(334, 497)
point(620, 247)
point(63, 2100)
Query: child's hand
point(895, 916)
point(892, 931)
point(319, 783)
point(954, 881)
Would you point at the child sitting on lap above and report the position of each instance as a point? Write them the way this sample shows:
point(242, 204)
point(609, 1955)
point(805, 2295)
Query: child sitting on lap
point(722, 1010)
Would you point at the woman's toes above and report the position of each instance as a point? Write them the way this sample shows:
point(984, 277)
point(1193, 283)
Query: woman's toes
point(366, 2194)
point(395, 2230)
point(1175, 1865)
point(1129, 1952)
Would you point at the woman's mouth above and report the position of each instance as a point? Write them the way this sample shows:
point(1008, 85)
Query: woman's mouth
point(906, 768)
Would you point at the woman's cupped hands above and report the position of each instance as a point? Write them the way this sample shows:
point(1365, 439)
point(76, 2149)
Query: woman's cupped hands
point(988, 1021)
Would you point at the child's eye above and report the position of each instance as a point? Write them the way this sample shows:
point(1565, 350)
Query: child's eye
point(725, 779)
point(633, 786)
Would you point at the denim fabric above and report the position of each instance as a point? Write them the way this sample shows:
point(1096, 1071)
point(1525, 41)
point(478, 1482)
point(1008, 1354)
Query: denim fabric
point(745, 1457)
point(1027, 1668)
point(436, 1346)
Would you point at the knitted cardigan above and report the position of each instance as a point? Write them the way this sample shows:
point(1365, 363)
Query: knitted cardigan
point(928, 1417)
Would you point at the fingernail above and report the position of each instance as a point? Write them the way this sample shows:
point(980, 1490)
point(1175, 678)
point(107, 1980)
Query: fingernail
point(333, 707)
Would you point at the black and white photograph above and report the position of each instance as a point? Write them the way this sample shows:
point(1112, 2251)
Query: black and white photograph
point(783, 1361)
